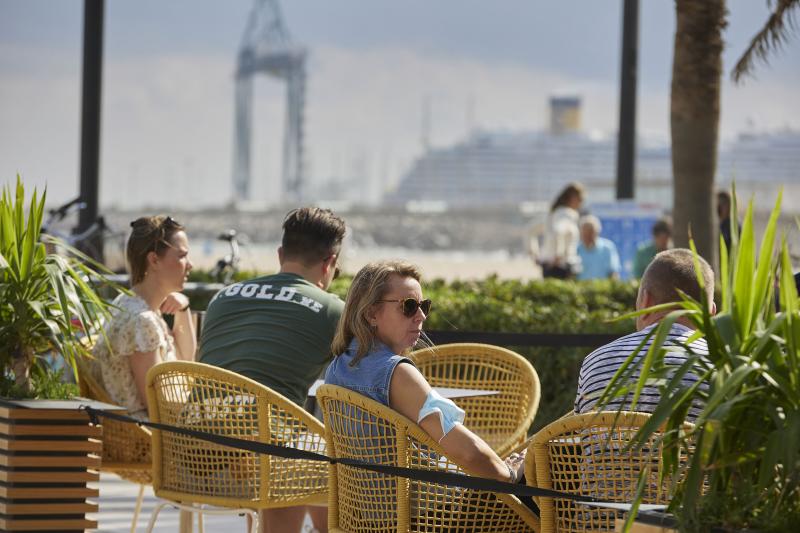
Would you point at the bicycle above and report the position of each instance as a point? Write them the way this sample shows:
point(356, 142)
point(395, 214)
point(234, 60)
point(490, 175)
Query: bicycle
point(62, 242)
point(228, 265)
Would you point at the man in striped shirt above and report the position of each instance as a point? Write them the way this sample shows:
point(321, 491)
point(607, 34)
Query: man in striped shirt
point(670, 271)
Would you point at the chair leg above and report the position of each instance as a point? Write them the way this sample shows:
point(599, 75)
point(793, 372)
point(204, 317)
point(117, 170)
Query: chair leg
point(154, 516)
point(253, 515)
point(187, 513)
point(137, 509)
point(186, 519)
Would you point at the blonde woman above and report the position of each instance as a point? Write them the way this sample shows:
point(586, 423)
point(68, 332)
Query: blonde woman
point(137, 337)
point(382, 321)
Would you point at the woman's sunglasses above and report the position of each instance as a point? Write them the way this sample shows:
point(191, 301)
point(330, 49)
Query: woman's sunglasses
point(410, 306)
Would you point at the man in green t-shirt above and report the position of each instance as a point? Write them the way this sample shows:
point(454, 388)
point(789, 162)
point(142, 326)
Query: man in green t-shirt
point(278, 329)
point(662, 232)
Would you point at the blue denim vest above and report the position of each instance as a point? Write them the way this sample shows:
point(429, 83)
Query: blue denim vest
point(371, 376)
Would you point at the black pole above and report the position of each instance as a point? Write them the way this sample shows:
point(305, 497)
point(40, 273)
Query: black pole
point(90, 121)
point(626, 144)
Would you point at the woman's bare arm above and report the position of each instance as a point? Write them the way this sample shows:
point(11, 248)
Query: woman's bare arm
point(407, 392)
point(141, 362)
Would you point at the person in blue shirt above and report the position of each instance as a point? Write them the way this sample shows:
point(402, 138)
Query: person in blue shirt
point(599, 257)
point(381, 322)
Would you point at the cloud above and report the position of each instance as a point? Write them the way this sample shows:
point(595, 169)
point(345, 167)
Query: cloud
point(168, 119)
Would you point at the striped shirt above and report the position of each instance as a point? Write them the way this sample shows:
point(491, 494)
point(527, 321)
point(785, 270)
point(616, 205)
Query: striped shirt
point(599, 368)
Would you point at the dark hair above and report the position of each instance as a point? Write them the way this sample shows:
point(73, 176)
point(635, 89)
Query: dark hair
point(662, 227)
point(724, 198)
point(673, 270)
point(148, 234)
point(572, 189)
point(311, 234)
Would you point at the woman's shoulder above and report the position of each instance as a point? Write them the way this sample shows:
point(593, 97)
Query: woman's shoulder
point(134, 327)
point(131, 308)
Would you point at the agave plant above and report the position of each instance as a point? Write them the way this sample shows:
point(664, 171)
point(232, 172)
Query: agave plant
point(744, 471)
point(45, 300)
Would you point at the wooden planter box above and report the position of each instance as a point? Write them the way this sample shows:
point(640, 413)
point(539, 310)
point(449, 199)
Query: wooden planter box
point(48, 453)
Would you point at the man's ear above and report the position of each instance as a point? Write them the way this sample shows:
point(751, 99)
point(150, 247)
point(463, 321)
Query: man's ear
point(280, 254)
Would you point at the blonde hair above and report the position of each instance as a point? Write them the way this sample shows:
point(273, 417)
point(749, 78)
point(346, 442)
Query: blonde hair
point(371, 284)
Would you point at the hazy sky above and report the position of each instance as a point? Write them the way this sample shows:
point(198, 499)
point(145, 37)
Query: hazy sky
point(168, 86)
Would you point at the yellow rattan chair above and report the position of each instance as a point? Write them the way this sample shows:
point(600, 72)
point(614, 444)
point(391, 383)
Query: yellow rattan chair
point(585, 454)
point(363, 502)
point(126, 447)
point(192, 473)
point(503, 419)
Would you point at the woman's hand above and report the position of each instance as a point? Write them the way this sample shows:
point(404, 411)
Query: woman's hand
point(174, 303)
point(516, 463)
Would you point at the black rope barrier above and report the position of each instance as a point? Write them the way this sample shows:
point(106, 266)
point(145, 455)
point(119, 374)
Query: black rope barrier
point(429, 476)
point(550, 340)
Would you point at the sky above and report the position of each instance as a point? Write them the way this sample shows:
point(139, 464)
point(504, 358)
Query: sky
point(168, 88)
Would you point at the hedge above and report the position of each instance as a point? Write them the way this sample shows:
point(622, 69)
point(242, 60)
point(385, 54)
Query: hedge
point(544, 306)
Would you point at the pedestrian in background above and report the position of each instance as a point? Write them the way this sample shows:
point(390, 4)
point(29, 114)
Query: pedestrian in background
point(662, 234)
point(558, 253)
point(599, 257)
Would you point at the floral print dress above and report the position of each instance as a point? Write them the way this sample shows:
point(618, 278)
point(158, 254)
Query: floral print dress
point(133, 328)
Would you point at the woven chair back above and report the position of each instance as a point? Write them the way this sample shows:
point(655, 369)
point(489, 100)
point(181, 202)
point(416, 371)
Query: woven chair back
point(209, 399)
point(362, 501)
point(588, 454)
point(501, 419)
point(127, 450)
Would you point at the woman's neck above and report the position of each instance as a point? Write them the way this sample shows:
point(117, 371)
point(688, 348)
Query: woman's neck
point(151, 292)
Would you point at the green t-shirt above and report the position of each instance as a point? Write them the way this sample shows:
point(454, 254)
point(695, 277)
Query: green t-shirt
point(276, 330)
point(644, 254)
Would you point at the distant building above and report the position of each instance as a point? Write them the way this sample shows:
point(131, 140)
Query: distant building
point(761, 163)
point(565, 114)
point(492, 169)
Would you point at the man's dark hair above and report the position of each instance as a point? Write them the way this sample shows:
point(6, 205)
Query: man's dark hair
point(724, 198)
point(662, 227)
point(311, 234)
point(673, 270)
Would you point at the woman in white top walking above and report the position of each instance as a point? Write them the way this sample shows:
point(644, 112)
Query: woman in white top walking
point(558, 253)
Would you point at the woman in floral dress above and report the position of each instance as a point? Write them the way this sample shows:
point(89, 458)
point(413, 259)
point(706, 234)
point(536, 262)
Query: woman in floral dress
point(137, 337)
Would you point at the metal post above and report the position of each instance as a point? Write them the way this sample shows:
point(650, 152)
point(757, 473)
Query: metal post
point(626, 143)
point(90, 119)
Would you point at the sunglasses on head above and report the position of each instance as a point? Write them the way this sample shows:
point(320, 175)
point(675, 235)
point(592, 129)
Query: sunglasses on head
point(410, 306)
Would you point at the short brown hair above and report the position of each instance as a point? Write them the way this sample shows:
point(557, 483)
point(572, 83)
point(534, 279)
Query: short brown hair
point(673, 270)
point(369, 285)
point(662, 227)
point(723, 198)
point(311, 234)
point(148, 234)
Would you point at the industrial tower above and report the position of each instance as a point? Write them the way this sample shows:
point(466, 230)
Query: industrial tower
point(268, 48)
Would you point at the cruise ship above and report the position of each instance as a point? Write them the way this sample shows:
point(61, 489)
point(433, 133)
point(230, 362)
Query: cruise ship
point(493, 169)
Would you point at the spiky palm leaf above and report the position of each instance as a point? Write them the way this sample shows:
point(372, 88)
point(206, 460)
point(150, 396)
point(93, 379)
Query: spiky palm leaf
point(45, 299)
point(745, 470)
point(770, 38)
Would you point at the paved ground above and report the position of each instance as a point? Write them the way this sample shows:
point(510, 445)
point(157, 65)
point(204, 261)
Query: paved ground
point(117, 501)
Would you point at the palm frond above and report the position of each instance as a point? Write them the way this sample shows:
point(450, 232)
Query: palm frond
point(772, 37)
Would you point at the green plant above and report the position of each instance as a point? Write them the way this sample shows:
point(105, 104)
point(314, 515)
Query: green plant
point(745, 469)
point(45, 299)
point(542, 306)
